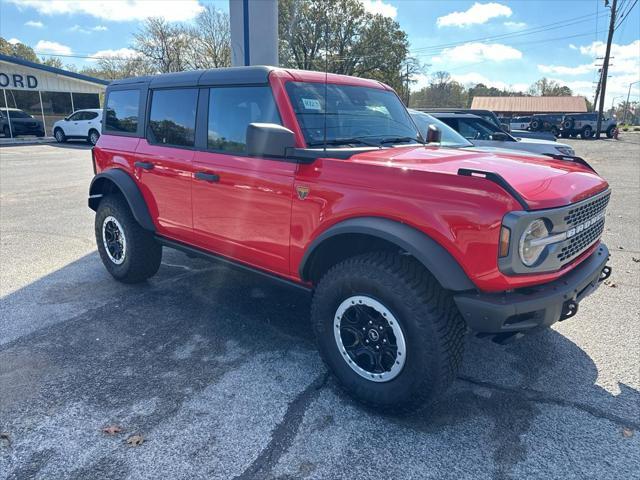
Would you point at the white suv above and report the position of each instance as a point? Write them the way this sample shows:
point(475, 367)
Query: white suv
point(81, 124)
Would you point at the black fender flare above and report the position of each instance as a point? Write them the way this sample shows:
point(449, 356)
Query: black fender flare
point(130, 191)
point(427, 251)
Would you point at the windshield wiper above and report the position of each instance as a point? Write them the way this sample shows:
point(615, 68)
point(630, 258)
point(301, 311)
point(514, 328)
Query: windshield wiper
point(343, 141)
point(398, 140)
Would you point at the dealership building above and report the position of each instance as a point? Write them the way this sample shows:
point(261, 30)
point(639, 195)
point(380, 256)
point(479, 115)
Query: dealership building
point(46, 93)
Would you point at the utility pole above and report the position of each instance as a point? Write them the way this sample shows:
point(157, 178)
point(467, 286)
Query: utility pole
point(605, 66)
point(627, 106)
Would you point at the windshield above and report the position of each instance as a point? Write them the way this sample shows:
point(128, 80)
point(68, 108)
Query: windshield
point(354, 115)
point(450, 138)
point(18, 114)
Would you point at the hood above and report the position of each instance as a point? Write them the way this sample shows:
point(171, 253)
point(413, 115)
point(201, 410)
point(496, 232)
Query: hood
point(542, 142)
point(543, 182)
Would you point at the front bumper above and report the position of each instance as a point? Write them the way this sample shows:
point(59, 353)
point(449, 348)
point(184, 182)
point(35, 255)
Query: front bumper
point(535, 307)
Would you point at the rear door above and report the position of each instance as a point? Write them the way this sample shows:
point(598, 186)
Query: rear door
point(242, 204)
point(164, 159)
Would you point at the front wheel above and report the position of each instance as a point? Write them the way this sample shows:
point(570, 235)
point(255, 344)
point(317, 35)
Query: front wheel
point(60, 136)
point(93, 137)
point(610, 131)
point(128, 251)
point(391, 335)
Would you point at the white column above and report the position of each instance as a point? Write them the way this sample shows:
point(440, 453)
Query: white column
point(254, 32)
point(6, 105)
point(44, 123)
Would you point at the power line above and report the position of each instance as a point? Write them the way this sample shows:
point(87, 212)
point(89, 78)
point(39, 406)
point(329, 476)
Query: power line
point(625, 15)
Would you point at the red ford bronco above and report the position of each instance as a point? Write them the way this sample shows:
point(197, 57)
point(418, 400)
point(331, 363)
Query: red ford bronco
point(324, 182)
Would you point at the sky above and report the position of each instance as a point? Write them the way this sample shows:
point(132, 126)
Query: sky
point(507, 44)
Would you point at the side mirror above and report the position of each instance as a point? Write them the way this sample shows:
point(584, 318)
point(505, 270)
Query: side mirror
point(499, 136)
point(66, 119)
point(269, 140)
point(434, 135)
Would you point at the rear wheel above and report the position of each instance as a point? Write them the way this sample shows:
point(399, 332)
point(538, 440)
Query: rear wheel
point(59, 135)
point(128, 251)
point(555, 132)
point(93, 137)
point(391, 335)
point(6, 131)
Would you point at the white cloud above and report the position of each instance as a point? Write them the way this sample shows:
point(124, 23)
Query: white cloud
point(99, 28)
point(117, 10)
point(478, 13)
point(626, 60)
point(119, 53)
point(564, 70)
point(34, 24)
point(617, 86)
point(80, 29)
point(13, 41)
point(572, 46)
point(379, 7)
point(515, 25)
point(473, 78)
point(477, 52)
point(45, 46)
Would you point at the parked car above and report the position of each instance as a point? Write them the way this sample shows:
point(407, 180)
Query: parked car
point(324, 183)
point(21, 123)
point(482, 133)
point(520, 123)
point(546, 123)
point(80, 125)
point(487, 115)
point(585, 125)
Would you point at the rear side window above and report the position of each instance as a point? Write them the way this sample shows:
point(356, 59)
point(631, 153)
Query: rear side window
point(232, 109)
point(90, 115)
point(122, 111)
point(172, 118)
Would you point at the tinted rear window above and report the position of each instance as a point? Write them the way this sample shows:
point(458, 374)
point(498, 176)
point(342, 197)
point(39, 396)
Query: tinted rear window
point(172, 119)
point(122, 111)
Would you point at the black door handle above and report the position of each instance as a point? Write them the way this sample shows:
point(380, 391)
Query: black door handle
point(144, 165)
point(207, 177)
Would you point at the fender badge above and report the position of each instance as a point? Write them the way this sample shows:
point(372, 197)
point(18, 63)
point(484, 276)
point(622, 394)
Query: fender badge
point(303, 192)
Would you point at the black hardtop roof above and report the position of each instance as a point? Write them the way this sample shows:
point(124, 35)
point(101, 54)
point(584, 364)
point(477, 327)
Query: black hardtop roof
point(453, 115)
point(216, 76)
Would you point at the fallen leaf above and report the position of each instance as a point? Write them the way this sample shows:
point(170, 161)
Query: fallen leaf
point(609, 283)
point(621, 248)
point(6, 438)
point(627, 432)
point(135, 440)
point(112, 429)
point(635, 259)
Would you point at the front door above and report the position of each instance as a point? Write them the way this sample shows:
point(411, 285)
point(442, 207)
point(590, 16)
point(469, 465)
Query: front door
point(164, 160)
point(241, 204)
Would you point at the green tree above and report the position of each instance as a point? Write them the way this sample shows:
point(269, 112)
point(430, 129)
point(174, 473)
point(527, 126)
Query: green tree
point(549, 88)
point(341, 36)
point(442, 91)
point(19, 50)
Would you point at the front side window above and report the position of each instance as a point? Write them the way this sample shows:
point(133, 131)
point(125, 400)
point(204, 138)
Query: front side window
point(353, 115)
point(172, 119)
point(474, 130)
point(76, 116)
point(232, 109)
point(122, 111)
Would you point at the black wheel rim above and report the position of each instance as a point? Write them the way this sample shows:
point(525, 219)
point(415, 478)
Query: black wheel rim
point(114, 240)
point(369, 338)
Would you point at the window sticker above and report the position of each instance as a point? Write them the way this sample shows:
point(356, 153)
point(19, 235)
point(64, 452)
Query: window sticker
point(311, 104)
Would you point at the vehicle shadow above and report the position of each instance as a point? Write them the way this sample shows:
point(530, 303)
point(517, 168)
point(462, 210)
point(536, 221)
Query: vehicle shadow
point(100, 352)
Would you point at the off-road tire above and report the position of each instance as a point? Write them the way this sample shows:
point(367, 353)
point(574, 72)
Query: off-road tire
point(586, 133)
point(432, 326)
point(610, 131)
point(535, 125)
point(142, 255)
point(555, 132)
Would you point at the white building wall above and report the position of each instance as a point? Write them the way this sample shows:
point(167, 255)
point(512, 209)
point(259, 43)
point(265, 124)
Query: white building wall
point(47, 81)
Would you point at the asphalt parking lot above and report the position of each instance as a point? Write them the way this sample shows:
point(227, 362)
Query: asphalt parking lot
point(217, 369)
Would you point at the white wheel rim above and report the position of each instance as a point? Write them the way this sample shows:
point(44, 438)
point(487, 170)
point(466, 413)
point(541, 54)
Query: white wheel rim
point(114, 240)
point(375, 332)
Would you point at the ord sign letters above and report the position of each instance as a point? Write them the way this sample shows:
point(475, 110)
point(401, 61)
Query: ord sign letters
point(18, 80)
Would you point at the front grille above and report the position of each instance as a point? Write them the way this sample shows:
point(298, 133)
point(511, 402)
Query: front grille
point(581, 214)
point(574, 247)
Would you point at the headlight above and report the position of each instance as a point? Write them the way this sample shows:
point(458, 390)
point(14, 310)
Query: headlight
point(566, 151)
point(532, 242)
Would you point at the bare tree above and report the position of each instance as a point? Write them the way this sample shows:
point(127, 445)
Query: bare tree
point(163, 45)
point(209, 40)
